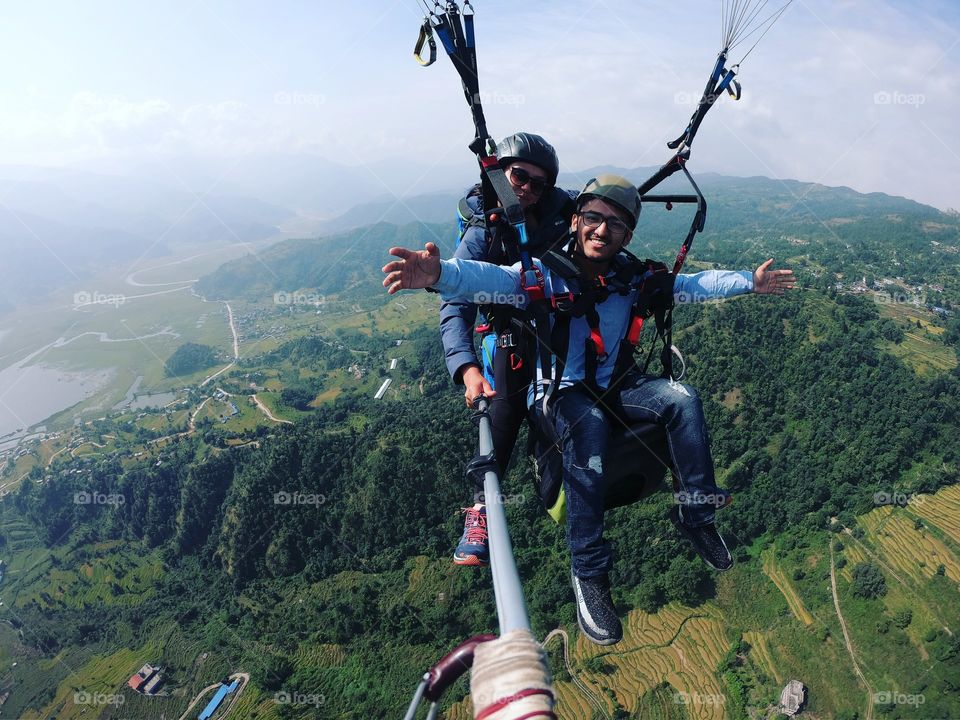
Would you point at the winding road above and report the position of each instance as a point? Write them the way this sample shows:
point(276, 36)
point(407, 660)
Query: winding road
point(236, 343)
point(582, 686)
point(846, 635)
point(266, 411)
point(245, 677)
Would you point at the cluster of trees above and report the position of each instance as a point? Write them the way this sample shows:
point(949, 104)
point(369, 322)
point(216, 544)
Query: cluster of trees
point(189, 358)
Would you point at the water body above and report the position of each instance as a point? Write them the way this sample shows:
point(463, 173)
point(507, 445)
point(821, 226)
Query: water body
point(33, 393)
point(148, 400)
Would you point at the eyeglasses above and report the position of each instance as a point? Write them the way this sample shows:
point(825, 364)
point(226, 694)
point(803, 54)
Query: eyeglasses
point(615, 226)
point(520, 177)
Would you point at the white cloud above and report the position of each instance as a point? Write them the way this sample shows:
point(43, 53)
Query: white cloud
point(114, 122)
point(609, 82)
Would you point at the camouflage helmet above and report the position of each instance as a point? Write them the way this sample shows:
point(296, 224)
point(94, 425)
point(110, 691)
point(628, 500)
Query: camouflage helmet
point(530, 148)
point(615, 190)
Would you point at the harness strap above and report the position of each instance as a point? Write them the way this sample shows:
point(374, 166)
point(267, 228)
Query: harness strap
point(426, 36)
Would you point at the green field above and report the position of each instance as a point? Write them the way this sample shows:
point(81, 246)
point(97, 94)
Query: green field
point(922, 349)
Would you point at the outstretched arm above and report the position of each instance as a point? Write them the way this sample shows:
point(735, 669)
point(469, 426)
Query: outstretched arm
point(772, 282)
point(416, 269)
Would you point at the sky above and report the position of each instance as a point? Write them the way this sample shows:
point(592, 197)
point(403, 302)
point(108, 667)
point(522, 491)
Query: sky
point(856, 93)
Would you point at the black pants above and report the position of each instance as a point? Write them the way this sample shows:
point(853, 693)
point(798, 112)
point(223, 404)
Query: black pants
point(507, 410)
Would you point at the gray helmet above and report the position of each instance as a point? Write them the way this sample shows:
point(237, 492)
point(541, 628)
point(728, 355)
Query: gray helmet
point(530, 148)
point(615, 190)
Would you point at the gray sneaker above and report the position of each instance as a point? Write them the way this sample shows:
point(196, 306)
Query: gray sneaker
point(596, 614)
point(706, 541)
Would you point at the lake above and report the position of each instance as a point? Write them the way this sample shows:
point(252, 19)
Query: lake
point(31, 394)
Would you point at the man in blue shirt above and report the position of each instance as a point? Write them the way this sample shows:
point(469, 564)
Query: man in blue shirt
point(607, 213)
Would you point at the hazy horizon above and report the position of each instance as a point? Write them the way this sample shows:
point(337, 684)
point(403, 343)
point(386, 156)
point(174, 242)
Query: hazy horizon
point(196, 96)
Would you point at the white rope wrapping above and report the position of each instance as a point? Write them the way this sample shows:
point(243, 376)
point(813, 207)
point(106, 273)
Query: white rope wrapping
point(502, 670)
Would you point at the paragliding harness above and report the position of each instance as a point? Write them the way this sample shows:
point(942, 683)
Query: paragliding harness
point(642, 446)
point(636, 454)
point(505, 328)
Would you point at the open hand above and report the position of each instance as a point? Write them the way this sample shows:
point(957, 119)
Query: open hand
point(417, 269)
point(772, 282)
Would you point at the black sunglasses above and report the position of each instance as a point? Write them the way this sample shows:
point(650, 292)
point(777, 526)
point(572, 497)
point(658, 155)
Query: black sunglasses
point(520, 177)
point(615, 226)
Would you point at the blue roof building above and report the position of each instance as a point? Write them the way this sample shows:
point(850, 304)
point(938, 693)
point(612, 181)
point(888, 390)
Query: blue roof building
point(214, 703)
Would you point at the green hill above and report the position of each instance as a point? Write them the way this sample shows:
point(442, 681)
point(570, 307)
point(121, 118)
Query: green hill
point(315, 556)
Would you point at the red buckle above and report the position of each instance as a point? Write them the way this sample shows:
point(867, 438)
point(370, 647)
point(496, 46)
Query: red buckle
point(597, 339)
point(485, 328)
point(515, 362)
point(562, 296)
point(636, 327)
point(533, 290)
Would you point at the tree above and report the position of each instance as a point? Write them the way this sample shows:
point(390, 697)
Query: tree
point(297, 397)
point(270, 673)
point(868, 581)
point(903, 618)
point(681, 581)
point(189, 358)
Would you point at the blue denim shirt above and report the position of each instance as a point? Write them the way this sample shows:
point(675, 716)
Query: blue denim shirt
point(480, 283)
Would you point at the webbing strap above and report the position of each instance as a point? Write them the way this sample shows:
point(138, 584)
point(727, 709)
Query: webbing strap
point(720, 79)
point(426, 36)
point(503, 193)
point(459, 41)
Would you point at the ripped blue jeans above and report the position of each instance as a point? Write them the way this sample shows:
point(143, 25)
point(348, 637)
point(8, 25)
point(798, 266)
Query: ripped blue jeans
point(584, 429)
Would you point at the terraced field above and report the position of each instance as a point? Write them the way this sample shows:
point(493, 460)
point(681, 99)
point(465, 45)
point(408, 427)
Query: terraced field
point(93, 686)
point(663, 668)
point(914, 552)
point(760, 652)
point(677, 645)
point(942, 510)
point(784, 586)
